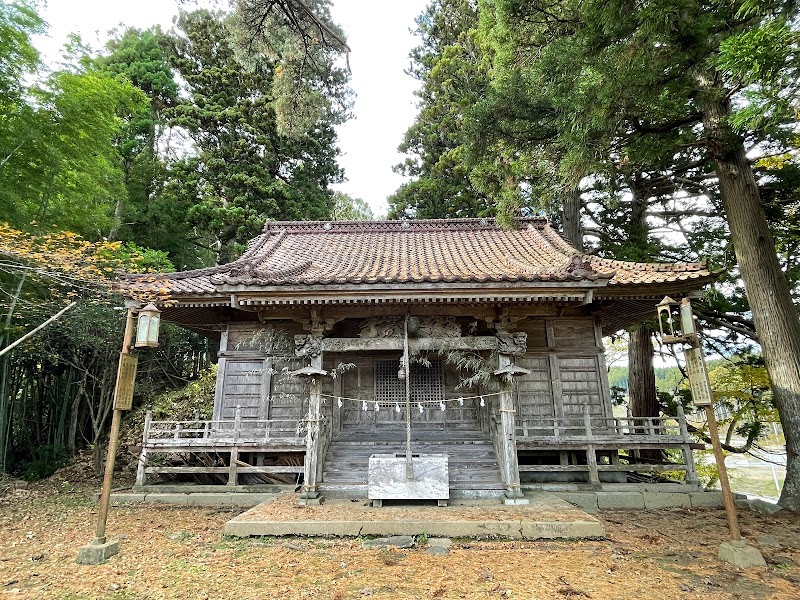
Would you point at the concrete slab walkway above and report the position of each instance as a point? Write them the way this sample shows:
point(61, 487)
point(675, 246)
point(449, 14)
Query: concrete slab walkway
point(546, 517)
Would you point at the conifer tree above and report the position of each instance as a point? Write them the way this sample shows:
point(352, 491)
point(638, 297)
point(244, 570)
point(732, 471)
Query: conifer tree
point(635, 81)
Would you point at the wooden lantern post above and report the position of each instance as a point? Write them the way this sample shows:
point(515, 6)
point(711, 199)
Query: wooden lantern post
point(680, 329)
point(100, 549)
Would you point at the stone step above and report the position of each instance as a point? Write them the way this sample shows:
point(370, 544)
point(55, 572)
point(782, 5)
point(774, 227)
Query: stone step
point(472, 462)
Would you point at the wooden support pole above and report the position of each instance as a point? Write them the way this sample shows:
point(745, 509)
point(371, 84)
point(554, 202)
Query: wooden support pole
point(233, 472)
point(727, 494)
point(314, 418)
point(105, 493)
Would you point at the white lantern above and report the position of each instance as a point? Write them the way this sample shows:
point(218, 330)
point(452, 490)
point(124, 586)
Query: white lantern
point(148, 322)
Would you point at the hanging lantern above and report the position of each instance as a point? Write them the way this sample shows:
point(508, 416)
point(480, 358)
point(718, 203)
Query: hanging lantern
point(147, 327)
point(676, 321)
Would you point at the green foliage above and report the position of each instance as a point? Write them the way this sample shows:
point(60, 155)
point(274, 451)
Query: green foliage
point(137, 56)
point(309, 81)
point(196, 397)
point(45, 461)
point(347, 208)
point(706, 466)
point(742, 386)
point(63, 169)
point(19, 21)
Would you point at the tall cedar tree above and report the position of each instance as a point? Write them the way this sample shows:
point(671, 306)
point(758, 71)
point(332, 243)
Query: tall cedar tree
point(624, 76)
point(241, 171)
point(448, 64)
point(137, 56)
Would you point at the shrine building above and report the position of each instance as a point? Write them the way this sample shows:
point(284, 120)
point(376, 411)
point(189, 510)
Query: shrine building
point(340, 341)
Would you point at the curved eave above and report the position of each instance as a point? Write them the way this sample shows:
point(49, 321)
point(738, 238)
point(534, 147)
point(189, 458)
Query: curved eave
point(248, 296)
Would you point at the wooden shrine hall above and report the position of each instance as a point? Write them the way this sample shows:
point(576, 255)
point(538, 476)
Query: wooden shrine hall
point(343, 341)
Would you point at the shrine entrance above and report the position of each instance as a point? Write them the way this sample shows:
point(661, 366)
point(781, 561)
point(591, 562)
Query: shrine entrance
point(374, 399)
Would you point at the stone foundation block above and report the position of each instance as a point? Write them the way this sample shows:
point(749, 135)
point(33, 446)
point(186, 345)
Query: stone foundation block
point(740, 555)
point(584, 500)
point(658, 500)
point(96, 554)
point(620, 500)
point(706, 499)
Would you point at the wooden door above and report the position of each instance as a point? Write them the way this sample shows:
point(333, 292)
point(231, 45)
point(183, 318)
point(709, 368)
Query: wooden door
point(375, 380)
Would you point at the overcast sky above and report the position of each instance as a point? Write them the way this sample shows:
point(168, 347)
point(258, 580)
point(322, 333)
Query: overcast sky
point(378, 34)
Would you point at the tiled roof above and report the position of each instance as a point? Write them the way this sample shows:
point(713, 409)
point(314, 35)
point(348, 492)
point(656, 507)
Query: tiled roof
point(380, 253)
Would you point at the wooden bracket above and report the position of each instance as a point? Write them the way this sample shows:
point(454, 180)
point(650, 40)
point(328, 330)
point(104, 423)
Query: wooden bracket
point(318, 324)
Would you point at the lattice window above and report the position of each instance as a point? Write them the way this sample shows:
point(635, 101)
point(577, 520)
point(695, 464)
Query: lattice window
point(427, 383)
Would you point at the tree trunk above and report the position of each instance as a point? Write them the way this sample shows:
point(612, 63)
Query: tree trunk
point(72, 435)
point(774, 314)
point(571, 216)
point(642, 380)
point(641, 377)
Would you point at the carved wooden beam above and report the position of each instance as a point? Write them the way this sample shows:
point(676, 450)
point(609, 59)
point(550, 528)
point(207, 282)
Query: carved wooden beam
point(396, 344)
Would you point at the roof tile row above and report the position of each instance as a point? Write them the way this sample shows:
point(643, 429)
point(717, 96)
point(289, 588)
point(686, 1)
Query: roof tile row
point(413, 252)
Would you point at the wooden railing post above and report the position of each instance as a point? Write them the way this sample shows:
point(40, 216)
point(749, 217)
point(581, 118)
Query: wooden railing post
point(688, 454)
point(591, 454)
point(140, 474)
point(237, 423)
point(233, 473)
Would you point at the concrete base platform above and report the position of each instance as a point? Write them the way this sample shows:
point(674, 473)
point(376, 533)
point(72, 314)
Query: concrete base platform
point(96, 553)
point(644, 499)
point(546, 517)
point(193, 498)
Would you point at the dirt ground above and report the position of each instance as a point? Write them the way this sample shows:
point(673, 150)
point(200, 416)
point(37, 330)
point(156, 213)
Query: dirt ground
point(174, 552)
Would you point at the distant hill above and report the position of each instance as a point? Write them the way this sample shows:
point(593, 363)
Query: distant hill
point(666, 377)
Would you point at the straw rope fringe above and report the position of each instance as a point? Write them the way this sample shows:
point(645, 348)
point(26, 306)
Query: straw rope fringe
point(423, 402)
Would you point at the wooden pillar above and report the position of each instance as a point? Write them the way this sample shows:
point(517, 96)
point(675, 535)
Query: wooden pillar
point(314, 418)
point(233, 473)
point(508, 437)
